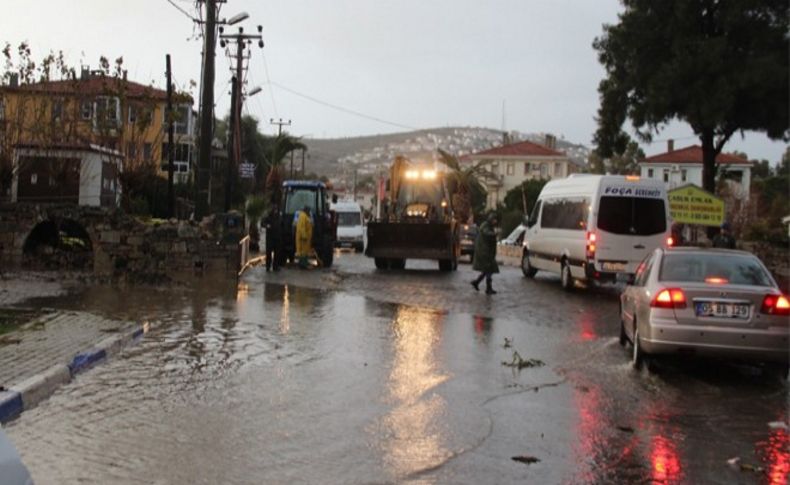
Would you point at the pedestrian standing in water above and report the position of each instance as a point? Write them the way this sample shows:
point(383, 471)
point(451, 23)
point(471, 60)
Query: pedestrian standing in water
point(724, 239)
point(304, 236)
point(273, 225)
point(485, 253)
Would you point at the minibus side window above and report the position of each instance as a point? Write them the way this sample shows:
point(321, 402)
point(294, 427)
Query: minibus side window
point(533, 218)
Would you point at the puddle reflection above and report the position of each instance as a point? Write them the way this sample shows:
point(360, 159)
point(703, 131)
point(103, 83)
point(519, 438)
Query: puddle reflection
point(414, 435)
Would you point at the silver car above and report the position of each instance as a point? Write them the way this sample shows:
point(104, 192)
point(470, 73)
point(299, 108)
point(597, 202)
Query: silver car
point(713, 302)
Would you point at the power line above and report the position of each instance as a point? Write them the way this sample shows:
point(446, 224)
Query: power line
point(269, 82)
point(171, 2)
point(340, 108)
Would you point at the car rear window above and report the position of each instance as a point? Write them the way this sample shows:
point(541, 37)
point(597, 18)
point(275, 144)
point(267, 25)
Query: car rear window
point(695, 267)
point(637, 216)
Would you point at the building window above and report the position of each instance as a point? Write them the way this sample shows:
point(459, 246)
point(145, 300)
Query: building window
point(147, 151)
point(534, 167)
point(649, 173)
point(181, 153)
point(33, 178)
point(86, 110)
point(683, 175)
point(132, 115)
point(526, 168)
point(558, 169)
point(131, 150)
point(544, 170)
point(666, 175)
point(495, 168)
point(108, 111)
point(511, 168)
point(57, 111)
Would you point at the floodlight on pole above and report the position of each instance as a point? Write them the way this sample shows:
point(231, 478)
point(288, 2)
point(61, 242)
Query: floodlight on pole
point(254, 91)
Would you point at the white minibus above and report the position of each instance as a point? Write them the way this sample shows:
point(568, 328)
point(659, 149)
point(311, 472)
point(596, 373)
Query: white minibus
point(350, 230)
point(595, 227)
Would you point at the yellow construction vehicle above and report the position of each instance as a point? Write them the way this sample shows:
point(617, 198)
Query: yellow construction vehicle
point(417, 221)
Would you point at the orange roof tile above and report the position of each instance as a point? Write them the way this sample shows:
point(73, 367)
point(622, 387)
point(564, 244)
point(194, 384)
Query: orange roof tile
point(691, 154)
point(95, 85)
point(522, 149)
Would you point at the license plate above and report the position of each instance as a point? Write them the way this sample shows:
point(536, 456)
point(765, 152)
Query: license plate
point(466, 241)
point(611, 266)
point(722, 310)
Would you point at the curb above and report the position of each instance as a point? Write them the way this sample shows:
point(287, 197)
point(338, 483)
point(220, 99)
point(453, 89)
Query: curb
point(29, 393)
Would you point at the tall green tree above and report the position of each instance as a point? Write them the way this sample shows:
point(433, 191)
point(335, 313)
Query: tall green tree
point(719, 65)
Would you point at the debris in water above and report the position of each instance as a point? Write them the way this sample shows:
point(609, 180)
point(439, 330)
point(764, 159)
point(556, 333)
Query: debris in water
point(525, 459)
point(519, 363)
point(777, 425)
point(508, 343)
point(733, 462)
point(626, 429)
point(744, 467)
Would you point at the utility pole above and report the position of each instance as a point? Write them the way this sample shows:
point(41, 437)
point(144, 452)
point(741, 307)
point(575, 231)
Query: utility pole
point(279, 134)
point(234, 140)
point(206, 113)
point(303, 173)
point(171, 198)
point(292, 164)
point(233, 129)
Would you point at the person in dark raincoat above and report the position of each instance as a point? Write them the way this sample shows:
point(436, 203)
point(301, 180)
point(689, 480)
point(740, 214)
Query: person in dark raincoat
point(485, 253)
point(273, 224)
point(724, 239)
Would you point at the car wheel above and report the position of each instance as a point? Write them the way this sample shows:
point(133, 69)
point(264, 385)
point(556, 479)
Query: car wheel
point(623, 336)
point(638, 356)
point(565, 276)
point(527, 268)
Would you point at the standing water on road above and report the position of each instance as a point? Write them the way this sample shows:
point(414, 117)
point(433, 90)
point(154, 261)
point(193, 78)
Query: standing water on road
point(267, 382)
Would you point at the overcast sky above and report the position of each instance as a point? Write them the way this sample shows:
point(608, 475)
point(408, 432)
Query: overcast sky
point(412, 63)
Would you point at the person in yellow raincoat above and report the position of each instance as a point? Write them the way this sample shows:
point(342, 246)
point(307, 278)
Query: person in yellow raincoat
point(304, 236)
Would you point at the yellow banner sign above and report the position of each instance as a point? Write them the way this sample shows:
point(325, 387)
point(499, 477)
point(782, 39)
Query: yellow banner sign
point(692, 205)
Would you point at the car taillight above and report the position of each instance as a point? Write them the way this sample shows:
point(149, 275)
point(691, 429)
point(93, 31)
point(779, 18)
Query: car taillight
point(670, 241)
point(775, 305)
point(591, 239)
point(669, 298)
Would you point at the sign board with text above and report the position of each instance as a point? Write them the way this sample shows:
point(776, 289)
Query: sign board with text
point(690, 204)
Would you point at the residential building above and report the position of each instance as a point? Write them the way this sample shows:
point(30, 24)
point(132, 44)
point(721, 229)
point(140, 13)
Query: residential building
point(67, 174)
point(514, 163)
point(97, 109)
point(684, 166)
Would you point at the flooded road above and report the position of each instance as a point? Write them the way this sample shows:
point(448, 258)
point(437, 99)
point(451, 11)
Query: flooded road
point(357, 376)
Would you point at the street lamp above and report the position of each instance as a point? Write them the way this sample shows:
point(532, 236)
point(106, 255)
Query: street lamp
point(254, 91)
point(240, 17)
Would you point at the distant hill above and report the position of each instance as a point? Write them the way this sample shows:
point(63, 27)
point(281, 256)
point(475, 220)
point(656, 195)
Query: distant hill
point(340, 157)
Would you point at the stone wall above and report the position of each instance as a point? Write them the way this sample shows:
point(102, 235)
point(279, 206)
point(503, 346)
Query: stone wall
point(127, 247)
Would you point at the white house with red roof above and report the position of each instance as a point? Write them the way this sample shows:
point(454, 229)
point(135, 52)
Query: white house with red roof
point(515, 163)
point(684, 166)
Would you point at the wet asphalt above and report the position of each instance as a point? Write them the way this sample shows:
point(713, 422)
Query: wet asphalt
point(353, 375)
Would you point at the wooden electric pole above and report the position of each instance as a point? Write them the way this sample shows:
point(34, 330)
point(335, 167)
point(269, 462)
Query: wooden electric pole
point(206, 113)
point(171, 198)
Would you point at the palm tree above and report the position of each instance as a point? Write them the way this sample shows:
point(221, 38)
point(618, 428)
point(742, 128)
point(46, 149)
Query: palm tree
point(282, 145)
point(463, 181)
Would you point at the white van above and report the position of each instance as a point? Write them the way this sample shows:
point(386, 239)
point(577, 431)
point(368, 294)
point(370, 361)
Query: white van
point(350, 231)
point(595, 227)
